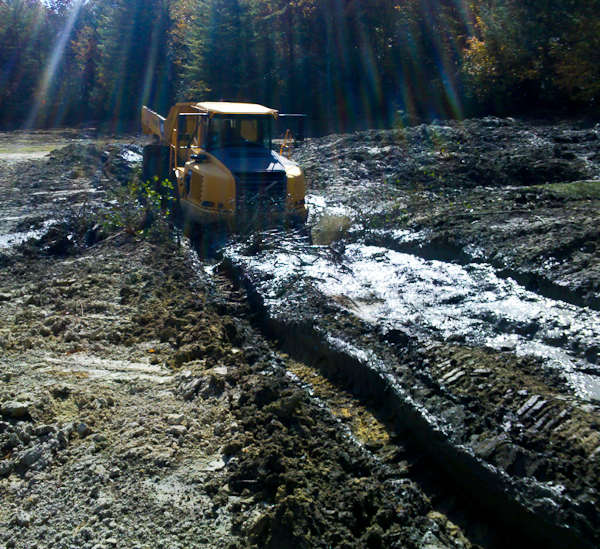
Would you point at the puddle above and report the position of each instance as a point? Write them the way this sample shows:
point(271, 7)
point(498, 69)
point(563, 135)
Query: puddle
point(14, 239)
point(131, 156)
point(465, 304)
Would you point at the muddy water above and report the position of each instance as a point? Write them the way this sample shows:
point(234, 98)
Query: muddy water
point(18, 237)
point(464, 304)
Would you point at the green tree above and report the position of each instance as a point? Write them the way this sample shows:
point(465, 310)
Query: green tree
point(25, 41)
point(132, 68)
point(531, 52)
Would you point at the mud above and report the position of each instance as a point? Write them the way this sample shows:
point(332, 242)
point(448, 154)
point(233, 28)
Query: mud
point(520, 196)
point(478, 339)
point(502, 427)
point(140, 406)
point(148, 400)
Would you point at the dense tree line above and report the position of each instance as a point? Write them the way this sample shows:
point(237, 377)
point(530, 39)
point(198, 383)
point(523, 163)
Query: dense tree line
point(344, 62)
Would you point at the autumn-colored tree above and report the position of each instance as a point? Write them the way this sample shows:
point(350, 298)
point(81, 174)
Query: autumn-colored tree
point(347, 63)
point(527, 53)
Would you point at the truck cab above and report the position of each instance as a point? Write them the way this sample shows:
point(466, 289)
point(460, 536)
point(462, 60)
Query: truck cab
point(222, 160)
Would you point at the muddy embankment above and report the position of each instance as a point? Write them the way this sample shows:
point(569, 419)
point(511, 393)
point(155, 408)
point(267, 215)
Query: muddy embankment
point(483, 340)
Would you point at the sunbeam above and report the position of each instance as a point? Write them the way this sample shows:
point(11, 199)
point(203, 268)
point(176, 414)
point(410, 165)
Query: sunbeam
point(42, 94)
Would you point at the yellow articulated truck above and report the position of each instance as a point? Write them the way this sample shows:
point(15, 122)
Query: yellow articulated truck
point(220, 159)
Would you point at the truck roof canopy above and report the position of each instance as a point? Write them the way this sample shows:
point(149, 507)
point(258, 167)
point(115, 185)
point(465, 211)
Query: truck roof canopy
point(223, 107)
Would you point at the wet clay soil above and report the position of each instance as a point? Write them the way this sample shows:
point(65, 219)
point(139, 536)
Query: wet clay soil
point(143, 407)
point(140, 406)
point(521, 196)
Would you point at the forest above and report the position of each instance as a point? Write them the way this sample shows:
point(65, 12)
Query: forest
point(347, 64)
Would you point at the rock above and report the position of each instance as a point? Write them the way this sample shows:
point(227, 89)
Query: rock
point(175, 419)
point(71, 336)
point(284, 406)
point(63, 283)
point(177, 430)
point(82, 429)
point(98, 470)
point(42, 430)
point(62, 439)
point(257, 524)
point(24, 432)
point(15, 409)
point(32, 455)
point(115, 472)
point(6, 466)
point(190, 389)
point(167, 334)
point(23, 519)
point(96, 335)
point(331, 228)
point(102, 509)
point(231, 448)
point(12, 442)
point(58, 326)
point(32, 300)
point(5, 297)
point(61, 391)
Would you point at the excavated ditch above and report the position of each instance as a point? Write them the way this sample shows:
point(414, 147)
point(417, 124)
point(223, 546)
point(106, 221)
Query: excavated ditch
point(482, 415)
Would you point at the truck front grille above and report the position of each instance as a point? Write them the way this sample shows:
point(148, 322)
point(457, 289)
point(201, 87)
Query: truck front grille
point(261, 186)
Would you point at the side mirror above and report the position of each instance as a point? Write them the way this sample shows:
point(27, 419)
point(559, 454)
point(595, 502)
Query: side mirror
point(200, 158)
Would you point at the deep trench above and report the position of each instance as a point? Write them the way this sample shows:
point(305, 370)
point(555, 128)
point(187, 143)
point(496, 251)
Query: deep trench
point(495, 498)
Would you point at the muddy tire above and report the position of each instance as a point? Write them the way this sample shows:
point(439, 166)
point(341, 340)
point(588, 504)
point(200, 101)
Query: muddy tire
point(156, 170)
point(155, 165)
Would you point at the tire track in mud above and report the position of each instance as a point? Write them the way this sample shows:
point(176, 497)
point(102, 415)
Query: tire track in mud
point(379, 461)
point(500, 427)
point(373, 431)
point(442, 248)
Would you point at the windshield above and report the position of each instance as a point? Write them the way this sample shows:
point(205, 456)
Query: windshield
point(239, 131)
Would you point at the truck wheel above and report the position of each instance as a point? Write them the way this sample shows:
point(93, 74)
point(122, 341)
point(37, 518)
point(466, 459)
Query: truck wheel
point(156, 169)
point(155, 163)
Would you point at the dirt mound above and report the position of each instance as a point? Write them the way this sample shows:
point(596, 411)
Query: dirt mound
point(454, 155)
point(470, 190)
point(90, 160)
